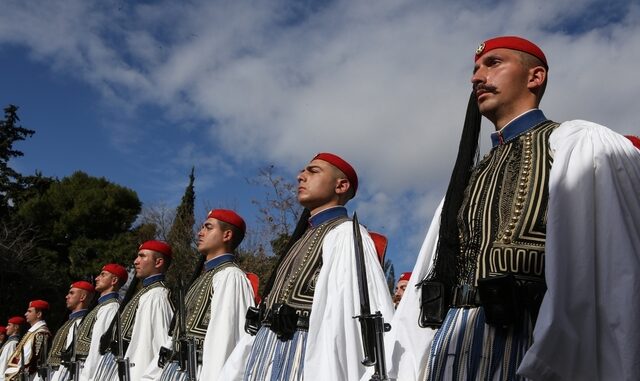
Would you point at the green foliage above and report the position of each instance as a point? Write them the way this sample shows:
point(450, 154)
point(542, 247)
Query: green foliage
point(81, 206)
point(10, 133)
point(390, 275)
point(181, 237)
point(74, 226)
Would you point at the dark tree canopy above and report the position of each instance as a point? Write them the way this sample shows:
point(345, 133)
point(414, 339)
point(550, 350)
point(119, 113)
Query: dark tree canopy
point(10, 133)
point(182, 238)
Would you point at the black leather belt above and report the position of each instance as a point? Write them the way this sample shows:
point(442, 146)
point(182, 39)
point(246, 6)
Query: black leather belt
point(465, 296)
point(284, 320)
point(302, 322)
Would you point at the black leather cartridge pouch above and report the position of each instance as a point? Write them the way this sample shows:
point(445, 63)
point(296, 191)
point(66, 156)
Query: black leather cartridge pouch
point(254, 318)
point(284, 321)
point(432, 304)
point(499, 298)
point(164, 356)
point(65, 356)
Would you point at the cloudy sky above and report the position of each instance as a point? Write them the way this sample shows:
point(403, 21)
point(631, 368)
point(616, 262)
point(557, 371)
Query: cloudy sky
point(140, 91)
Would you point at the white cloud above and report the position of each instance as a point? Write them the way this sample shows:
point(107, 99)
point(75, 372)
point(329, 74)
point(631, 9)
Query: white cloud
point(383, 83)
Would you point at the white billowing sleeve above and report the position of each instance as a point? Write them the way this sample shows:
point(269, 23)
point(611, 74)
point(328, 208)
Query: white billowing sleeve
point(232, 296)
point(233, 369)
point(334, 345)
point(150, 332)
point(7, 350)
point(27, 350)
point(104, 317)
point(587, 328)
point(407, 345)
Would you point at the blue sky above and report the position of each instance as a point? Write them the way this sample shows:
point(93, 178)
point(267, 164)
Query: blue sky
point(138, 92)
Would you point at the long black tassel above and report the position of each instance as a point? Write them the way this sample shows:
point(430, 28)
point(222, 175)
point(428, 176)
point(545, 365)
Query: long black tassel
point(446, 269)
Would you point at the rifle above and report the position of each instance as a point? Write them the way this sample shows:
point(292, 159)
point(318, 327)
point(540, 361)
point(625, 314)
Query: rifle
point(372, 326)
point(44, 369)
point(124, 372)
point(24, 372)
point(74, 366)
point(187, 346)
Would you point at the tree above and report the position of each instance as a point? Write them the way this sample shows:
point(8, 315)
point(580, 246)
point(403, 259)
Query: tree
point(10, 133)
point(181, 237)
point(279, 210)
point(277, 215)
point(83, 221)
point(390, 275)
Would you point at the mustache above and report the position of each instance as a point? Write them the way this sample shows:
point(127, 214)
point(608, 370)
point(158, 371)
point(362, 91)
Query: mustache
point(484, 87)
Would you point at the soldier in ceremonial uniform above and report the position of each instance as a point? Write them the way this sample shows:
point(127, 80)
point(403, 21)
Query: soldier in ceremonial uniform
point(308, 331)
point(217, 301)
point(3, 334)
point(548, 208)
point(87, 345)
point(145, 319)
point(77, 300)
point(14, 327)
point(29, 350)
point(401, 286)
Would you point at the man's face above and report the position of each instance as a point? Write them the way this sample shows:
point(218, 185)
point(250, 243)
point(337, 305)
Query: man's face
point(210, 237)
point(500, 83)
point(400, 287)
point(12, 329)
point(2, 336)
point(32, 315)
point(146, 264)
point(74, 298)
point(104, 281)
point(317, 185)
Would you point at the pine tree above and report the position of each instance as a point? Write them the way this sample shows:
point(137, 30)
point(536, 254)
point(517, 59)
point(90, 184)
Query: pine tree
point(181, 237)
point(10, 132)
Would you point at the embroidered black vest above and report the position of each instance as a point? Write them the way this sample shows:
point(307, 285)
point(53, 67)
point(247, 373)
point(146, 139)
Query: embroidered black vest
point(503, 217)
point(85, 329)
point(128, 316)
point(298, 273)
point(59, 343)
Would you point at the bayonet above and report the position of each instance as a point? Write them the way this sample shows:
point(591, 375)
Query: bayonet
point(372, 326)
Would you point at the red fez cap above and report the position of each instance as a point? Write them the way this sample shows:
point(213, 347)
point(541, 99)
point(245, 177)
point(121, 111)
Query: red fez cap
point(255, 285)
point(157, 246)
point(514, 43)
point(3, 329)
point(83, 285)
point(634, 139)
point(342, 165)
point(17, 320)
point(39, 304)
point(380, 242)
point(228, 216)
point(405, 276)
point(118, 271)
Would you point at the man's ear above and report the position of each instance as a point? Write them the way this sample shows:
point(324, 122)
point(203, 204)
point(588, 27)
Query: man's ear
point(342, 186)
point(159, 262)
point(227, 236)
point(537, 77)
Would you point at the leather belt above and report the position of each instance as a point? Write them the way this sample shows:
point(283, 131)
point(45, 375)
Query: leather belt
point(302, 322)
point(466, 296)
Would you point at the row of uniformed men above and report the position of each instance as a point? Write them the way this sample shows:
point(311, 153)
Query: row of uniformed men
point(217, 301)
point(145, 317)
